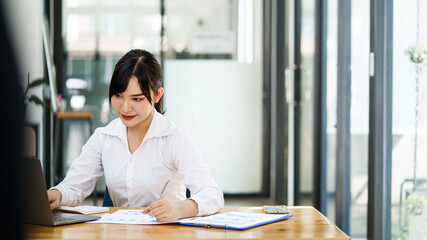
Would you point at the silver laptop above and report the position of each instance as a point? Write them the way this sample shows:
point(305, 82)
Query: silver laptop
point(36, 208)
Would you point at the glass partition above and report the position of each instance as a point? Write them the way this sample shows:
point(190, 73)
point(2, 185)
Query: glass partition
point(331, 106)
point(96, 34)
point(212, 69)
point(359, 117)
point(213, 85)
point(304, 110)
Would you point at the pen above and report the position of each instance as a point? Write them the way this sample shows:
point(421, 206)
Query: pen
point(162, 194)
point(206, 225)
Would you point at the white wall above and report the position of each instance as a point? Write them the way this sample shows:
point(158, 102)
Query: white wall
point(220, 103)
point(24, 19)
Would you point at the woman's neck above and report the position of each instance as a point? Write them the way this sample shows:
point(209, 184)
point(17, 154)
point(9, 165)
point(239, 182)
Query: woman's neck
point(136, 134)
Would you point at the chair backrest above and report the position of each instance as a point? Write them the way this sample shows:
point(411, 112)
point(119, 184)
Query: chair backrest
point(30, 141)
point(107, 202)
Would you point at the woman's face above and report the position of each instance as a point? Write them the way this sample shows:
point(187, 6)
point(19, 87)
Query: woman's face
point(132, 106)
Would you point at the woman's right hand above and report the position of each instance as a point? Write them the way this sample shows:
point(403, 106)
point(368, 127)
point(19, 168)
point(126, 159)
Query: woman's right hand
point(55, 197)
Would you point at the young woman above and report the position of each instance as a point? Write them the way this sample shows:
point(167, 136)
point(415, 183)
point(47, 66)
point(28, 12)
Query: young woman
point(146, 159)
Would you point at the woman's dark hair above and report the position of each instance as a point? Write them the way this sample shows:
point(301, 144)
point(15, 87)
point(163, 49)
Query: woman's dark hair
point(144, 66)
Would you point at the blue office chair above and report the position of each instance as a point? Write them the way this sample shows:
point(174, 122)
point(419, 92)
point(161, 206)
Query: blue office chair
point(107, 199)
point(107, 202)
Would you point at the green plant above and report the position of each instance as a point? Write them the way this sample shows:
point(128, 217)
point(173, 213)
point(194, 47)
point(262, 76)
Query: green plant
point(415, 204)
point(416, 220)
point(417, 52)
point(399, 233)
point(32, 98)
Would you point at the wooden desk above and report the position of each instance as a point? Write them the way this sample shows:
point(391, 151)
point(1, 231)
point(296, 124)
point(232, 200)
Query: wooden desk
point(307, 223)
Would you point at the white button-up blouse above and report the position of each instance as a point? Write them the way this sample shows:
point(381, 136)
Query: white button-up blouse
point(135, 180)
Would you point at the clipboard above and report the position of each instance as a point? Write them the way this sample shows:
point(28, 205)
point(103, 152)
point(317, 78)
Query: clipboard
point(234, 220)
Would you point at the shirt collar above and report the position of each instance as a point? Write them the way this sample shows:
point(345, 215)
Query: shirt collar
point(160, 126)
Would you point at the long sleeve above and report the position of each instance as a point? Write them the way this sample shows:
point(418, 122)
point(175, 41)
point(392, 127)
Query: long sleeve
point(197, 177)
point(83, 173)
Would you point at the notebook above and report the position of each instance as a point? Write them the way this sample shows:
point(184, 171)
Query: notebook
point(84, 209)
point(36, 209)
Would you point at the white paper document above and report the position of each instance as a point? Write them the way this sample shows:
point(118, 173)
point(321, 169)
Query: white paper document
point(229, 220)
point(128, 217)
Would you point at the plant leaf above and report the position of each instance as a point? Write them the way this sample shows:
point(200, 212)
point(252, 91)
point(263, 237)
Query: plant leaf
point(36, 83)
point(36, 100)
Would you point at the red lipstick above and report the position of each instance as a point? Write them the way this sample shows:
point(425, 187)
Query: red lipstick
point(128, 117)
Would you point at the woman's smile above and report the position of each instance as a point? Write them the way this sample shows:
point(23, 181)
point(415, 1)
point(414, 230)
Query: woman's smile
point(128, 117)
